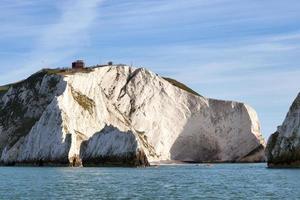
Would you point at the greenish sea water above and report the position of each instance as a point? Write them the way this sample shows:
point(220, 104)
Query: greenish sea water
point(219, 181)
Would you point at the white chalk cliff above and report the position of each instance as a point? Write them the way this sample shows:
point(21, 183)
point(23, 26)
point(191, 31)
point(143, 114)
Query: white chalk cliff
point(121, 115)
point(283, 148)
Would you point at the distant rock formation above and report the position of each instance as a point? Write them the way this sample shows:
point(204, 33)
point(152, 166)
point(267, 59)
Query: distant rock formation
point(283, 148)
point(119, 115)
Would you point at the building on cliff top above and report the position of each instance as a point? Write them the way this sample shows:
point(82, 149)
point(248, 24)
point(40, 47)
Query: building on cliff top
point(78, 64)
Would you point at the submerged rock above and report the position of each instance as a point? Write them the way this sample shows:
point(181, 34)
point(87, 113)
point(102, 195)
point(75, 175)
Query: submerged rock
point(283, 148)
point(119, 115)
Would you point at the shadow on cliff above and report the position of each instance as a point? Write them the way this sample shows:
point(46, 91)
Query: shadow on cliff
point(112, 147)
point(21, 142)
point(200, 139)
point(194, 145)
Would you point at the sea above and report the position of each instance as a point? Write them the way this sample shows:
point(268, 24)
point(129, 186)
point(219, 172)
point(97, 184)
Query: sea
point(182, 181)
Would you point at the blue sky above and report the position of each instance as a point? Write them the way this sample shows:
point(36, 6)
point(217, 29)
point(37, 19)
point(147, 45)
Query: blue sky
point(246, 50)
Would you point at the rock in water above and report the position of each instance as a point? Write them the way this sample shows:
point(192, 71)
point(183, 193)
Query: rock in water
point(283, 148)
point(119, 115)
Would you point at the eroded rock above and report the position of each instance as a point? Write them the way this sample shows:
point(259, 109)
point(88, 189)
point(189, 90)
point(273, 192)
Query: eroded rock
point(283, 148)
point(119, 115)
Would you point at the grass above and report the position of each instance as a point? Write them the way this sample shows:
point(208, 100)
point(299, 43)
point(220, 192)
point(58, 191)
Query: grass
point(181, 86)
point(53, 82)
point(67, 71)
point(30, 81)
point(3, 89)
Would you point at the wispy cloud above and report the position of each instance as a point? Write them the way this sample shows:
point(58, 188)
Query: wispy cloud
point(60, 39)
point(66, 36)
point(241, 50)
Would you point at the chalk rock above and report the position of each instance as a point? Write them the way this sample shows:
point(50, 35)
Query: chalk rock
point(283, 148)
point(120, 115)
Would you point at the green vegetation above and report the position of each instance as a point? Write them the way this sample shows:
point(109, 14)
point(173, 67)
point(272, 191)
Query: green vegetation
point(84, 101)
point(30, 82)
point(181, 86)
point(67, 71)
point(3, 90)
point(53, 82)
point(34, 78)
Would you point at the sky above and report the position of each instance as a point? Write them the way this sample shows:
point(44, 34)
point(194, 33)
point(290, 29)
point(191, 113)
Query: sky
point(247, 51)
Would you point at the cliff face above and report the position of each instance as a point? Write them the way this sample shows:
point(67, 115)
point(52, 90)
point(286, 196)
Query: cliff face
point(124, 116)
point(283, 148)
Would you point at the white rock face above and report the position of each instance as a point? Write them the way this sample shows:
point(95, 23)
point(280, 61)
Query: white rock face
point(128, 116)
point(283, 149)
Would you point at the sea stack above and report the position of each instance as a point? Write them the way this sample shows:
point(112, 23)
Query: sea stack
point(120, 115)
point(283, 148)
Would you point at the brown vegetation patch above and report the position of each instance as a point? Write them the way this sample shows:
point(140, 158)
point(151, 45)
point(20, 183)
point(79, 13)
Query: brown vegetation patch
point(181, 86)
point(84, 101)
